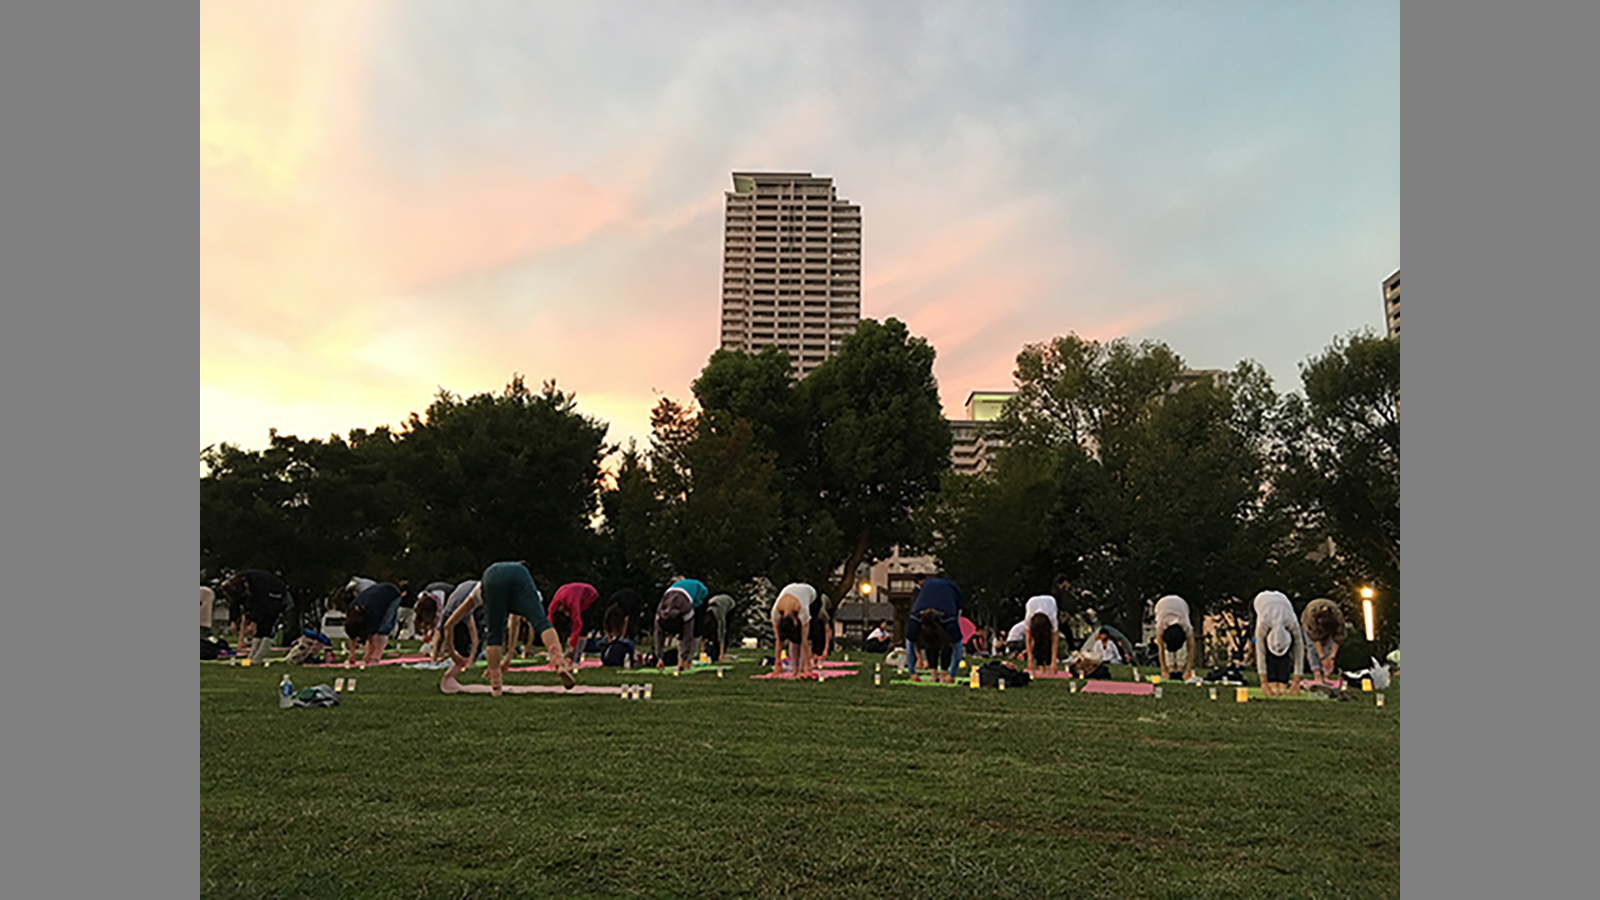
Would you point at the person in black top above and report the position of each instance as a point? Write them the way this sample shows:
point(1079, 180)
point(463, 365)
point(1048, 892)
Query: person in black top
point(628, 602)
point(370, 619)
point(257, 599)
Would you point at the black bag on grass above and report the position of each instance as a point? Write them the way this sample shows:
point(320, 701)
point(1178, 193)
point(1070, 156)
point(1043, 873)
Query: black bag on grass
point(991, 674)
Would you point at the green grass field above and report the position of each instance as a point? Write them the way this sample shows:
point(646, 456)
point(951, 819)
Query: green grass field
point(735, 787)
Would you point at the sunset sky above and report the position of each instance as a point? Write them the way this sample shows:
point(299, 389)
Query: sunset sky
point(401, 196)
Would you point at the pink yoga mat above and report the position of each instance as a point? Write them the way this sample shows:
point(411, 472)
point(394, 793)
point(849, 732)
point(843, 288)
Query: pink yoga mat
point(451, 686)
point(386, 661)
point(1116, 687)
point(837, 664)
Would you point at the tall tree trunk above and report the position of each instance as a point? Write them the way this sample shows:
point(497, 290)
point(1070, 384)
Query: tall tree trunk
point(847, 580)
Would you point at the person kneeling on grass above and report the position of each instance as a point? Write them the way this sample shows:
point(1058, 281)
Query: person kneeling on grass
point(1279, 647)
point(370, 620)
point(1106, 643)
point(1174, 638)
point(791, 627)
point(507, 588)
point(878, 640)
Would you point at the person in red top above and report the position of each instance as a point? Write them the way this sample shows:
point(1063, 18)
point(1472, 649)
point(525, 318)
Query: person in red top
point(566, 614)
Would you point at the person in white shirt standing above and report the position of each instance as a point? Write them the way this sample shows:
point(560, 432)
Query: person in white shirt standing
point(1174, 638)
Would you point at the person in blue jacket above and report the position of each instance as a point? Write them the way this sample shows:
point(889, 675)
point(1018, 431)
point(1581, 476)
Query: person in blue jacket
point(935, 626)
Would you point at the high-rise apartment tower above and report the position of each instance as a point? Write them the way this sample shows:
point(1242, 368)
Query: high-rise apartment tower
point(791, 266)
point(1391, 303)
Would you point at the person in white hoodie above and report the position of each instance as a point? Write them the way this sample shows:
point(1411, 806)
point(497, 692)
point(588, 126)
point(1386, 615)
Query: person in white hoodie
point(1280, 646)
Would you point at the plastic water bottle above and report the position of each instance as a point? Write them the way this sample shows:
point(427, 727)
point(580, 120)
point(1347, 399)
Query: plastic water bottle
point(285, 692)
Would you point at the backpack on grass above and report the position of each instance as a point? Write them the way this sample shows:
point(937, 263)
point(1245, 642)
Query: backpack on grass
point(991, 674)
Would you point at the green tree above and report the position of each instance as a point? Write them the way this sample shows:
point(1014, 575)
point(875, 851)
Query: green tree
point(1009, 533)
point(1170, 497)
point(1342, 464)
point(717, 509)
point(313, 511)
point(631, 508)
point(515, 475)
point(879, 440)
point(758, 389)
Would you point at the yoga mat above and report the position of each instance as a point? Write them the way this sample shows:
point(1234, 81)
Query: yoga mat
point(693, 668)
point(1095, 686)
point(386, 661)
point(586, 664)
point(451, 686)
point(823, 675)
point(1256, 694)
point(837, 664)
point(930, 683)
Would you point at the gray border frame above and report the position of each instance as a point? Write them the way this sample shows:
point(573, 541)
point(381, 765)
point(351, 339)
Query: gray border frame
point(98, 257)
point(99, 261)
point(1499, 224)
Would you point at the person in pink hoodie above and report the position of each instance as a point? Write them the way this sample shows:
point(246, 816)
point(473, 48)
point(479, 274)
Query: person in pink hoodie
point(567, 607)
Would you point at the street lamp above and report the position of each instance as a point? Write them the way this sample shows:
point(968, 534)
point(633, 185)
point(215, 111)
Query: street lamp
point(1366, 610)
point(866, 588)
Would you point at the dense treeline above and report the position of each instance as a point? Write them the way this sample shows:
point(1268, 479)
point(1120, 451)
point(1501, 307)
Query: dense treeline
point(1118, 472)
point(1134, 480)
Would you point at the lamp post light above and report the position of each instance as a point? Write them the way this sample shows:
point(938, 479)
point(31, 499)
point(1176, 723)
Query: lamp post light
point(1366, 610)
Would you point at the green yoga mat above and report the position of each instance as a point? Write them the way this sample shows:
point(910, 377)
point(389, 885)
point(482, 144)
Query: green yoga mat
point(927, 683)
point(693, 669)
point(1256, 694)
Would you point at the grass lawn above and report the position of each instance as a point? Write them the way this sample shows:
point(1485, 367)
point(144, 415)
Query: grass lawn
point(732, 787)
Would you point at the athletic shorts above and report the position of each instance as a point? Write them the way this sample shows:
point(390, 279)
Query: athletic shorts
point(1279, 668)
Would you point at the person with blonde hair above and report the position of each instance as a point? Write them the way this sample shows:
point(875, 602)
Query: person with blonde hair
point(1324, 626)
